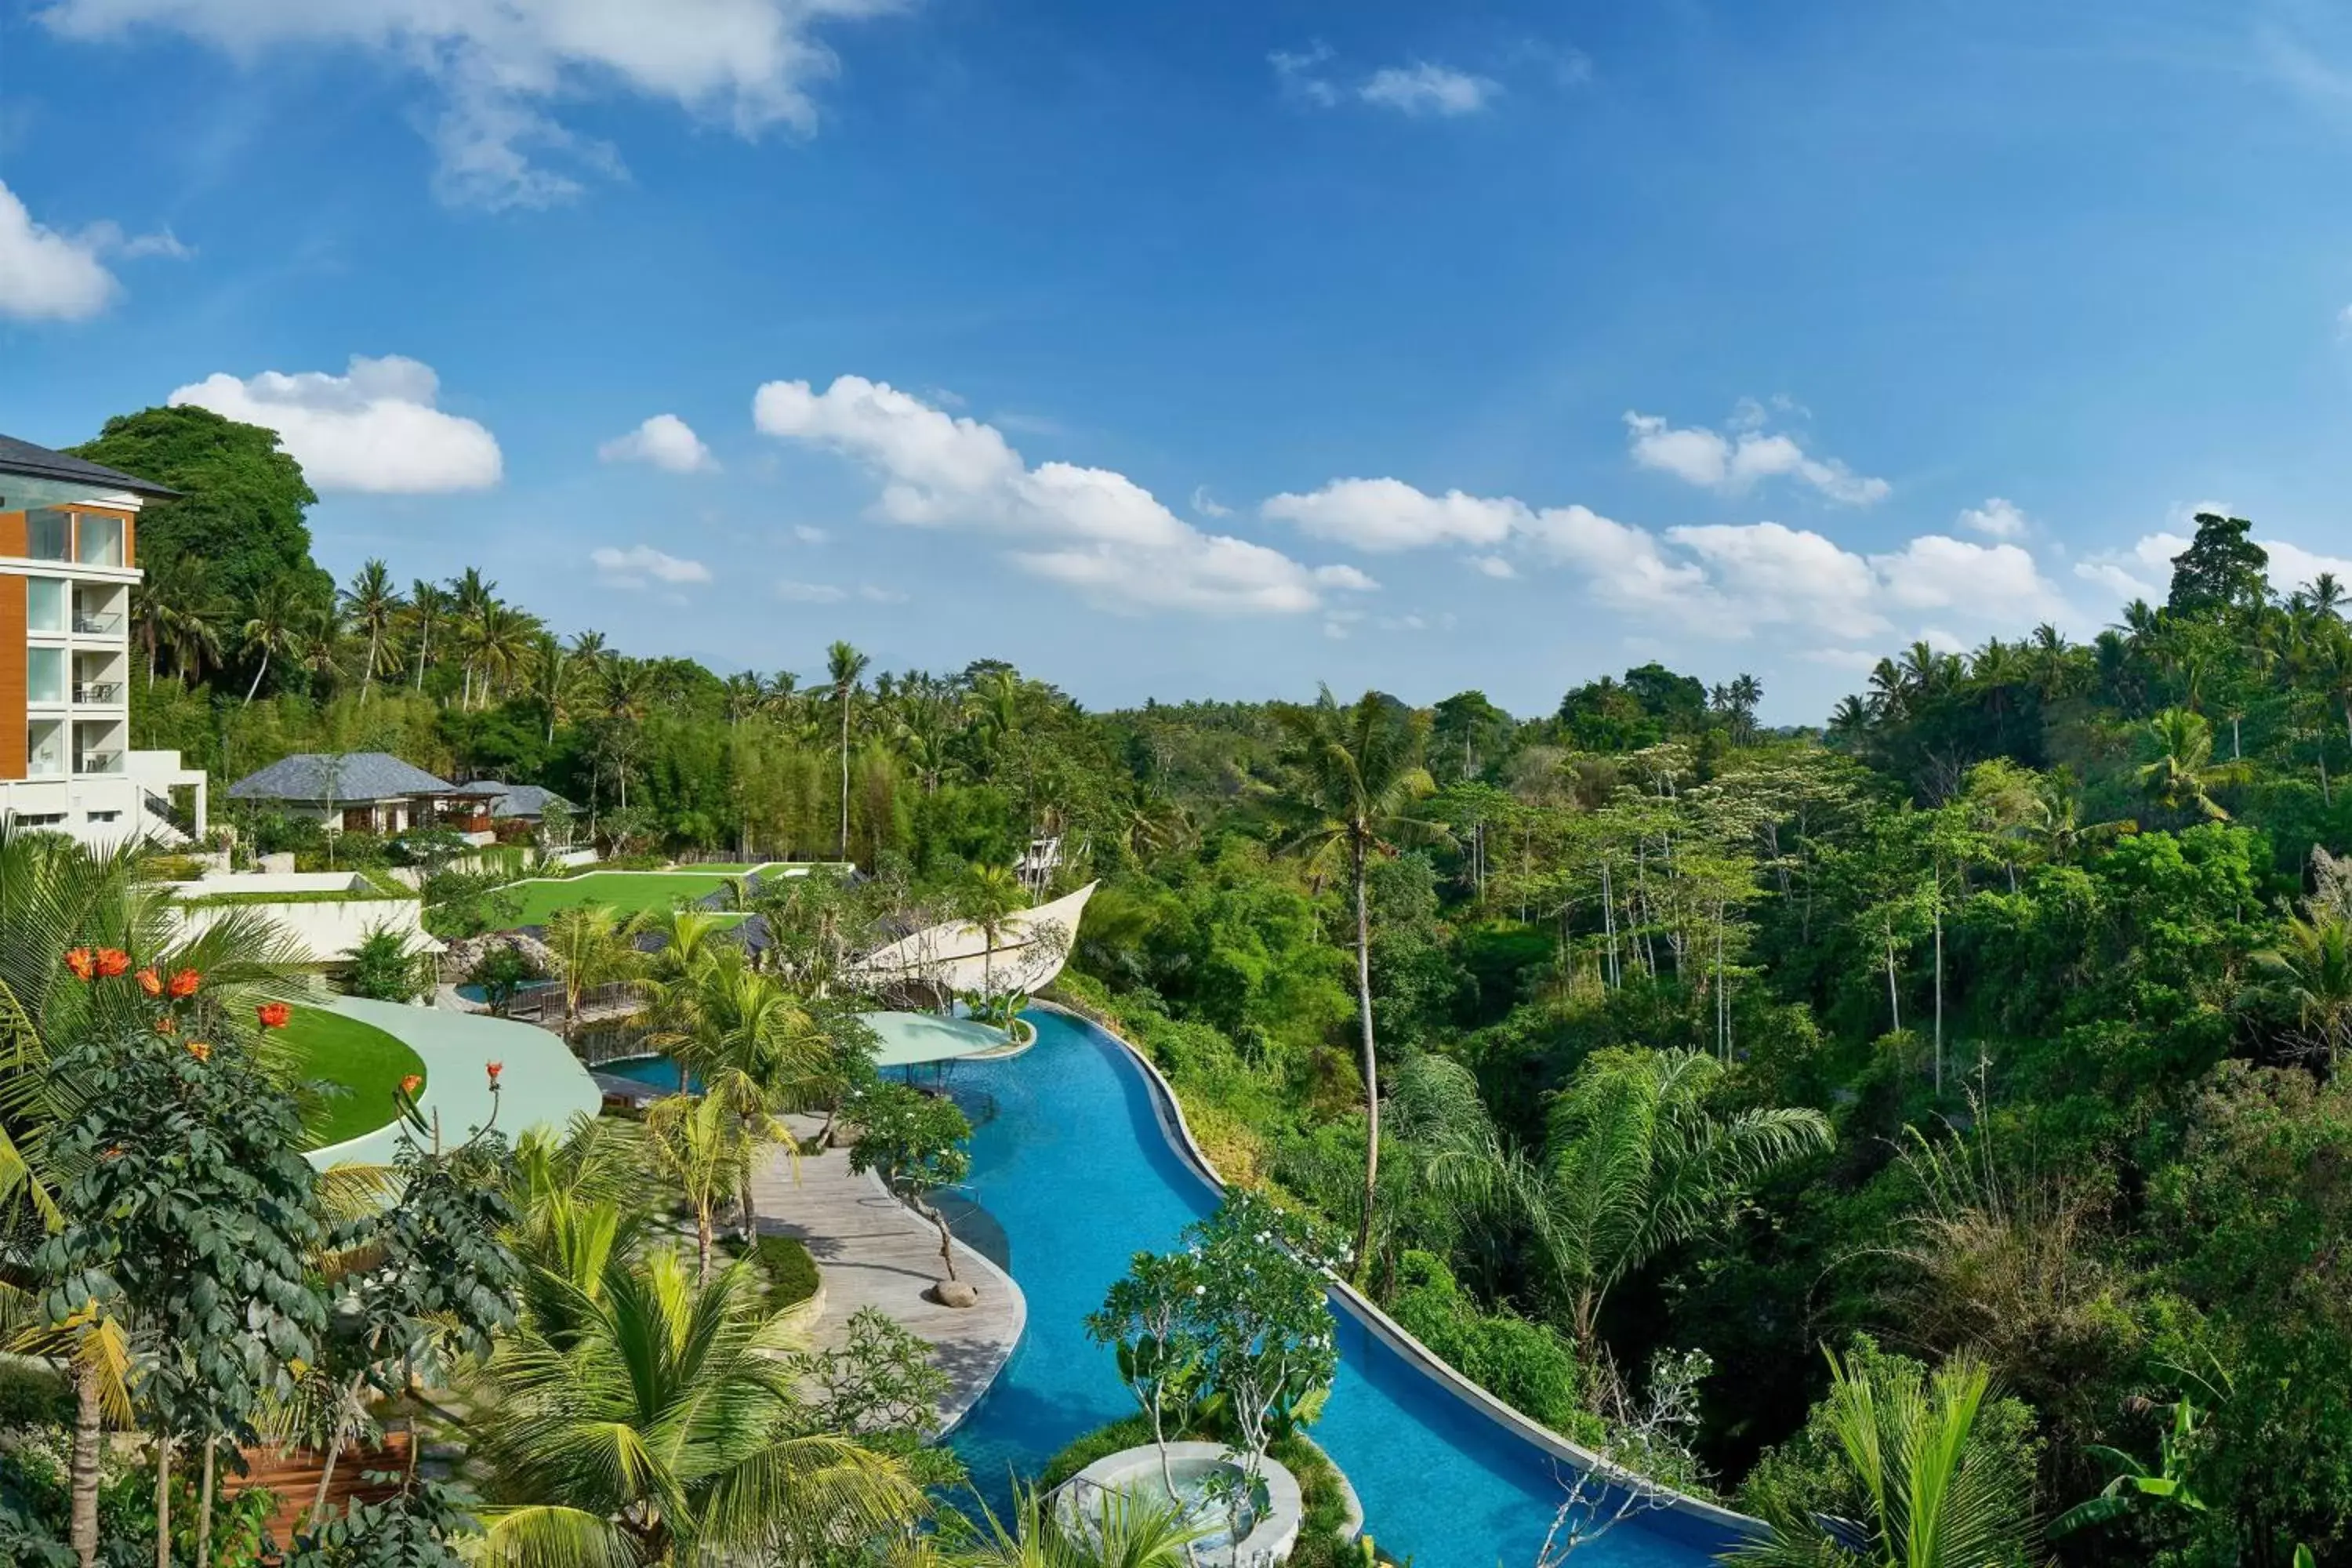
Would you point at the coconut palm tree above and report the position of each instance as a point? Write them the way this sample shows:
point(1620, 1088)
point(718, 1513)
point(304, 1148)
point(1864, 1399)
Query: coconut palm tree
point(1355, 774)
point(589, 950)
point(279, 626)
point(370, 605)
point(1933, 1494)
point(428, 607)
point(845, 666)
point(177, 611)
point(2184, 774)
point(757, 1050)
point(992, 896)
point(671, 1429)
point(697, 1142)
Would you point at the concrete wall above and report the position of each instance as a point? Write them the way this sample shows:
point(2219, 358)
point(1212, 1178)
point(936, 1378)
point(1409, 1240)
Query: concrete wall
point(327, 932)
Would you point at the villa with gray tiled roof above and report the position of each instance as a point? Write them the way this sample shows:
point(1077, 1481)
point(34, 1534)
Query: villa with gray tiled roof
point(367, 792)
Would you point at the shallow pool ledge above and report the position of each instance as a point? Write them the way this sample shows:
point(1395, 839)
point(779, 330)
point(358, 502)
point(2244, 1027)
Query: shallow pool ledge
point(1420, 1357)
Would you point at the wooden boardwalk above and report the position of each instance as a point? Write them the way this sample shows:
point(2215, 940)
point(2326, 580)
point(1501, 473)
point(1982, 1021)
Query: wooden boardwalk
point(873, 1251)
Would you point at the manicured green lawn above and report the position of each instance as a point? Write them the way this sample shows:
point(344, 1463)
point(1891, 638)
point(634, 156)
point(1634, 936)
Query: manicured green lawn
point(625, 893)
point(359, 1058)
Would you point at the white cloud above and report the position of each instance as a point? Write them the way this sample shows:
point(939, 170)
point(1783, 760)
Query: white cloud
point(808, 534)
point(750, 65)
point(793, 593)
point(2292, 566)
point(1997, 518)
point(641, 564)
point(1092, 530)
point(1711, 580)
point(372, 428)
point(878, 595)
point(1206, 505)
point(46, 276)
point(666, 441)
point(1299, 74)
point(1425, 89)
point(1389, 514)
point(1732, 463)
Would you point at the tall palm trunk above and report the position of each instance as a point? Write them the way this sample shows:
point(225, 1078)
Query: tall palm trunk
point(367, 676)
point(259, 671)
point(843, 853)
point(88, 1441)
point(162, 1500)
point(204, 1504)
point(1371, 1062)
point(424, 650)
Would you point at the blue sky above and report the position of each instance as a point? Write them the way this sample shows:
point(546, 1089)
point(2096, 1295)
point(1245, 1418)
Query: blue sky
point(1217, 349)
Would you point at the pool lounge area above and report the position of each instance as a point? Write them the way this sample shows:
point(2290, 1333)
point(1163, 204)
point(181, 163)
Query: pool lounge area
point(1070, 1157)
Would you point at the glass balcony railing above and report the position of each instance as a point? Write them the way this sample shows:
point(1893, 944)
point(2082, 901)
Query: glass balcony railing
point(102, 693)
point(98, 763)
point(96, 625)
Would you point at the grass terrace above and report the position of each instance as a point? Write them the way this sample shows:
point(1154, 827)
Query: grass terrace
point(627, 892)
point(360, 1059)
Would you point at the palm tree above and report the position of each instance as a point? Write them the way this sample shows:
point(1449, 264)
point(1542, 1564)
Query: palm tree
point(992, 896)
point(1119, 1530)
point(1354, 774)
point(370, 604)
point(671, 1429)
point(2312, 967)
point(500, 642)
point(697, 1142)
point(845, 666)
point(744, 694)
point(177, 611)
point(1932, 1493)
point(278, 628)
point(1637, 1160)
point(2184, 774)
point(589, 950)
point(757, 1049)
point(428, 607)
point(470, 597)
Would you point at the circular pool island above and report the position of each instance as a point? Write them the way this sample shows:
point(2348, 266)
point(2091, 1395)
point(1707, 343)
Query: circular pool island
point(1265, 1535)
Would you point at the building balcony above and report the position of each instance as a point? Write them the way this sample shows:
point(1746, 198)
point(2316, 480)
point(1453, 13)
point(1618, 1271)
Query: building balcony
point(91, 626)
point(98, 763)
point(97, 693)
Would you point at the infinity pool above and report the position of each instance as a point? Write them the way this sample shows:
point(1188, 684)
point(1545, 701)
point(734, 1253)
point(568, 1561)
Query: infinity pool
point(1068, 1156)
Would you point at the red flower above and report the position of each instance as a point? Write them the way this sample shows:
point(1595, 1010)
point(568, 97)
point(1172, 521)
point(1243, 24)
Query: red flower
point(112, 961)
point(496, 1068)
point(78, 960)
point(410, 1084)
point(184, 983)
point(274, 1015)
point(167, 1025)
point(201, 1051)
point(150, 983)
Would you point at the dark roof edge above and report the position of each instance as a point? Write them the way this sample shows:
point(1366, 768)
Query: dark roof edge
point(40, 463)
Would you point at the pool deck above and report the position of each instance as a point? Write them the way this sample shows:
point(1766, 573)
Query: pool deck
point(874, 1251)
point(541, 1084)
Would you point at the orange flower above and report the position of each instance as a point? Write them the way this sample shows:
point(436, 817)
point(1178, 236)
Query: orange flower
point(150, 983)
point(201, 1051)
point(274, 1015)
point(80, 961)
point(496, 1068)
point(410, 1084)
point(167, 1025)
point(112, 961)
point(114, 1153)
point(184, 983)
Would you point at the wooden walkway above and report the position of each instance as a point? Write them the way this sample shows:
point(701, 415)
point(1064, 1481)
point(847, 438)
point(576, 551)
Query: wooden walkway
point(873, 1251)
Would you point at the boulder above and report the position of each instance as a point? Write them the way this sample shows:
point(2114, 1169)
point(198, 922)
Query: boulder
point(954, 1293)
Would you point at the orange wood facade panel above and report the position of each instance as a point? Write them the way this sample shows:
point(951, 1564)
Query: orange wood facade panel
point(11, 677)
point(12, 533)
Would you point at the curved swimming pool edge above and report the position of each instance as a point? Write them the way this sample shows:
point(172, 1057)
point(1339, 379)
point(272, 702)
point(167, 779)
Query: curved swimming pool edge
point(1170, 1114)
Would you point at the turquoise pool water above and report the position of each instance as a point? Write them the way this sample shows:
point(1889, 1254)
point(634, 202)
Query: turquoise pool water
point(1068, 1156)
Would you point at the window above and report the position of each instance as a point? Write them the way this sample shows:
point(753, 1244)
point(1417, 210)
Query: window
point(102, 816)
point(101, 541)
point(48, 535)
point(45, 750)
point(39, 818)
point(44, 674)
point(45, 604)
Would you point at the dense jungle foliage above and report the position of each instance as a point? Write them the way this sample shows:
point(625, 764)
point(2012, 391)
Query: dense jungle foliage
point(1993, 1026)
